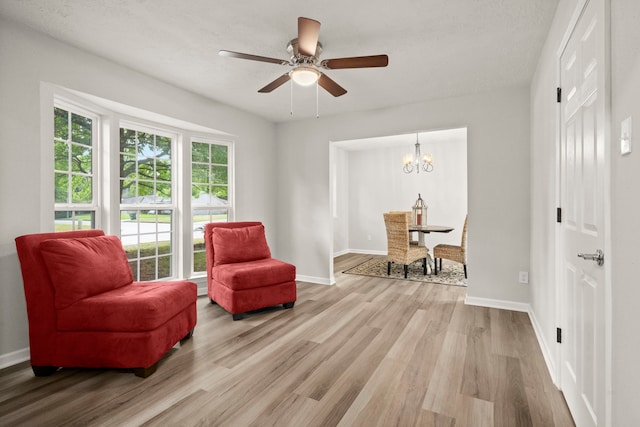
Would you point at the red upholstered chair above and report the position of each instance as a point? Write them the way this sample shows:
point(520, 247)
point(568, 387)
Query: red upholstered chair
point(85, 310)
point(241, 274)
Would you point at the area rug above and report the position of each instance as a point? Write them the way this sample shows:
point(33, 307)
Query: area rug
point(452, 272)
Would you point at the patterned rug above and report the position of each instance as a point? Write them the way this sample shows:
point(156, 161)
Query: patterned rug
point(452, 272)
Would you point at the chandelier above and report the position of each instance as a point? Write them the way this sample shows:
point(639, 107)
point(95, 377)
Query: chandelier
point(417, 161)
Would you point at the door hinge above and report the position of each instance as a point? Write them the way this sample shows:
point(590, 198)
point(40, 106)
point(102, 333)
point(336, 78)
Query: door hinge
point(559, 94)
point(559, 335)
point(558, 214)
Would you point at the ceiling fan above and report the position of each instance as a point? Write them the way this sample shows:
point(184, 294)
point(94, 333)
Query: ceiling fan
point(305, 60)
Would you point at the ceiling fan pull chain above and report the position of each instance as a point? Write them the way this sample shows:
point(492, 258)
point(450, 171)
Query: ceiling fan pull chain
point(317, 108)
point(291, 112)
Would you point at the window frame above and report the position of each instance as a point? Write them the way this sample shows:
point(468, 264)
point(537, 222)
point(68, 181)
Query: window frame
point(229, 144)
point(174, 251)
point(109, 116)
point(96, 175)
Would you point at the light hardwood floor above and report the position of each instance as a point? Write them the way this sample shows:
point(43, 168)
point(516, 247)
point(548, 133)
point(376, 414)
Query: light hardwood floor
point(365, 352)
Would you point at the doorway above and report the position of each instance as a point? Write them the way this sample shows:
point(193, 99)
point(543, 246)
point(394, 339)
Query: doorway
point(367, 179)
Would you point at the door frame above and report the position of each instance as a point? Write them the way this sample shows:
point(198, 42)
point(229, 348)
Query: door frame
point(608, 152)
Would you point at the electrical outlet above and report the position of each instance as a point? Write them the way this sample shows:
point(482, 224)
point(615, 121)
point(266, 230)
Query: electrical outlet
point(523, 277)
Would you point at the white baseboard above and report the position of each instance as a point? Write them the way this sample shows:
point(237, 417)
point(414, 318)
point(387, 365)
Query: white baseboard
point(358, 251)
point(546, 353)
point(497, 303)
point(342, 252)
point(364, 252)
point(316, 280)
point(14, 357)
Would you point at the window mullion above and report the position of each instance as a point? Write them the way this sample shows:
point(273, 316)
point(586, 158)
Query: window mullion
point(163, 210)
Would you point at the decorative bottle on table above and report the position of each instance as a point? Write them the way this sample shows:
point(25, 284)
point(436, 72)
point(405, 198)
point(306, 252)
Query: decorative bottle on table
point(420, 212)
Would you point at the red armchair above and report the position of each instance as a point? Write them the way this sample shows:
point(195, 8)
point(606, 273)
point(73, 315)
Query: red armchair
point(85, 310)
point(241, 275)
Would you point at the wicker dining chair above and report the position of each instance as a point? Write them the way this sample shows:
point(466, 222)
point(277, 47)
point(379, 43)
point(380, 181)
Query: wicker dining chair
point(452, 252)
point(399, 249)
point(411, 241)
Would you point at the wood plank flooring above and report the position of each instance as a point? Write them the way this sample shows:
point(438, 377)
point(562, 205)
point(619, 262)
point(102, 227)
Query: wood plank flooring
point(365, 352)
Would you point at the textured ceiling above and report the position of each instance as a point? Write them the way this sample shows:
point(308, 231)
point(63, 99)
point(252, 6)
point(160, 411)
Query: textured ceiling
point(436, 48)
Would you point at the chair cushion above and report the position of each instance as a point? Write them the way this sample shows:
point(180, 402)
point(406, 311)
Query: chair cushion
point(256, 274)
point(86, 266)
point(141, 306)
point(231, 245)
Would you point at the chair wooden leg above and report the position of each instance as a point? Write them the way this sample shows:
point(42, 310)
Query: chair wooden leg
point(424, 266)
point(465, 270)
point(435, 266)
point(237, 316)
point(406, 270)
point(212, 301)
point(288, 304)
point(145, 372)
point(389, 268)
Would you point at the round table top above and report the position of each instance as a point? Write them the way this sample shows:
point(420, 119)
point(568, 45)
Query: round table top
point(431, 228)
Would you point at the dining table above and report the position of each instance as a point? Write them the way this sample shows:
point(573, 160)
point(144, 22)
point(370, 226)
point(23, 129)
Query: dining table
point(426, 229)
point(431, 228)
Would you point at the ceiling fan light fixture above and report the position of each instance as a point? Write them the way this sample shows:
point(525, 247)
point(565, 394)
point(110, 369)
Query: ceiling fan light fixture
point(304, 76)
point(304, 52)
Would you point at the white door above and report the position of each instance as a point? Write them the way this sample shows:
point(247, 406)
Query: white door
point(582, 187)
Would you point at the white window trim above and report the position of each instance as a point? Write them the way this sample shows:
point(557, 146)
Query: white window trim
point(176, 265)
point(107, 145)
point(95, 155)
point(230, 144)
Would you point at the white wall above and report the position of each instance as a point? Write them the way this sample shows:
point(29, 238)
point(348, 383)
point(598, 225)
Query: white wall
point(340, 204)
point(625, 204)
point(498, 183)
point(375, 182)
point(27, 59)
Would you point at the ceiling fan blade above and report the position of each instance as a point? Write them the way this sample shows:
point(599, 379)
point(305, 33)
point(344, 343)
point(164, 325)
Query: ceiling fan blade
point(252, 57)
point(356, 62)
point(330, 86)
point(308, 33)
point(276, 83)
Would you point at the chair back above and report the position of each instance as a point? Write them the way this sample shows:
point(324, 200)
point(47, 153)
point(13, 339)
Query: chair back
point(463, 243)
point(397, 225)
point(208, 242)
point(38, 288)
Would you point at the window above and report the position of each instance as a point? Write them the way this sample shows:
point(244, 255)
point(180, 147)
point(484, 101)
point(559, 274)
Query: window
point(146, 202)
point(209, 192)
point(74, 168)
point(153, 184)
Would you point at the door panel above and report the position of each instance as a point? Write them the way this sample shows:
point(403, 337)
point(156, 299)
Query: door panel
point(582, 164)
point(590, 168)
point(570, 350)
